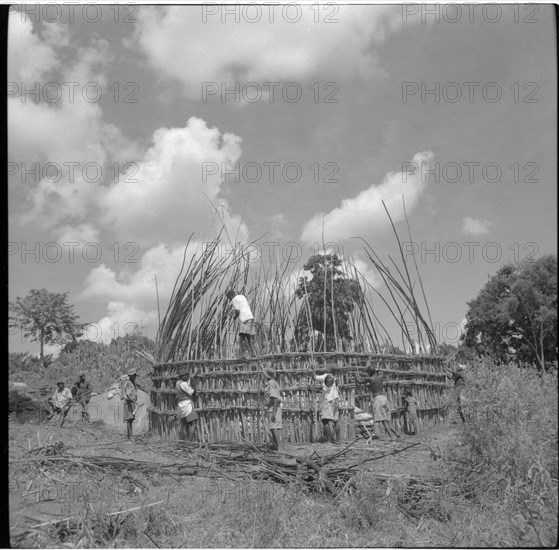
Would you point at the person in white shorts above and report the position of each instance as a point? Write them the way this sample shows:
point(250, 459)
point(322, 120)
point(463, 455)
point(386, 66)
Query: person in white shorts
point(185, 406)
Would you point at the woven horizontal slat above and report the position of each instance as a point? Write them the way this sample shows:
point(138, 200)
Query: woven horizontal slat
point(229, 393)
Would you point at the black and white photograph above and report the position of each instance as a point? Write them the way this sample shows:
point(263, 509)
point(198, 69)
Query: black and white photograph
point(281, 275)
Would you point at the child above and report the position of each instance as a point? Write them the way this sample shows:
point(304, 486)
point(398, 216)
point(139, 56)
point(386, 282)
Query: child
point(272, 399)
point(330, 407)
point(381, 409)
point(411, 412)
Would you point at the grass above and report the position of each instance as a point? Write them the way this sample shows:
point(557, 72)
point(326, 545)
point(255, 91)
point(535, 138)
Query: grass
point(505, 457)
point(502, 489)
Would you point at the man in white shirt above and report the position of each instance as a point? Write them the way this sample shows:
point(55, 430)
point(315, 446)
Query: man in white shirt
point(246, 321)
point(60, 402)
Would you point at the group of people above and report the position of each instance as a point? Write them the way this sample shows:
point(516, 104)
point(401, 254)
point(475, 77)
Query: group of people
point(64, 397)
point(81, 393)
point(330, 406)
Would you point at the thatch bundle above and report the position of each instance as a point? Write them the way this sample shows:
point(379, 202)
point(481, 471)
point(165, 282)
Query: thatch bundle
point(199, 322)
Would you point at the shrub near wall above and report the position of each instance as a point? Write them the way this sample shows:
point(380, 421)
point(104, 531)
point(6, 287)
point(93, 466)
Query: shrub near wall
point(506, 454)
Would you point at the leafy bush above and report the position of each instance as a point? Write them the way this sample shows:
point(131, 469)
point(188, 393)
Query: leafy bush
point(102, 363)
point(23, 364)
point(506, 453)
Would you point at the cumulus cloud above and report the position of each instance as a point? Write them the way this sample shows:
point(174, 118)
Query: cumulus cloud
point(82, 234)
point(473, 226)
point(56, 133)
point(365, 214)
point(23, 67)
point(122, 319)
point(171, 185)
point(256, 51)
point(138, 286)
point(72, 153)
point(363, 271)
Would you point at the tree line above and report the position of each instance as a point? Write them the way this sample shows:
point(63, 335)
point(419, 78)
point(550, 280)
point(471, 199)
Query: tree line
point(514, 316)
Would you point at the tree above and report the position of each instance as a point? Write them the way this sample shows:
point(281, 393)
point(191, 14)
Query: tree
point(331, 297)
point(45, 317)
point(515, 314)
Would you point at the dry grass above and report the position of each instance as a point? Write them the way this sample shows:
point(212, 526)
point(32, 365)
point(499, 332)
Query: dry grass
point(199, 323)
point(195, 512)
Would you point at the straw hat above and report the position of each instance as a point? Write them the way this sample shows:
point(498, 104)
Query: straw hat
point(461, 367)
point(132, 372)
point(268, 373)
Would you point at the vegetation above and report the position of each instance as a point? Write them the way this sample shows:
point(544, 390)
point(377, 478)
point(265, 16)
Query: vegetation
point(199, 324)
point(515, 314)
point(501, 490)
point(504, 460)
point(102, 363)
point(331, 297)
point(46, 317)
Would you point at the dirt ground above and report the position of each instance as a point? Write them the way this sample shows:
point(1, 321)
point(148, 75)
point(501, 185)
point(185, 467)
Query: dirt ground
point(31, 501)
point(109, 411)
point(101, 409)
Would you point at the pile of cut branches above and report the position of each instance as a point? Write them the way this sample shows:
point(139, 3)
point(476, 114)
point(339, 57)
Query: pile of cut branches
point(332, 474)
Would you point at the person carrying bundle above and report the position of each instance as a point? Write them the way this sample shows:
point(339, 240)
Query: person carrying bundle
point(330, 406)
point(246, 321)
point(272, 400)
point(185, 406)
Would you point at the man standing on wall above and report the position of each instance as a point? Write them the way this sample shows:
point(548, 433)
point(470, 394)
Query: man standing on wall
point(246, 321)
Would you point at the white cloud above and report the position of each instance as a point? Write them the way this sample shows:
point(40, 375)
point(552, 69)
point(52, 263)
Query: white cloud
point(473, 226)
point(122, 319)
point(131, 295)
point(71, 135)
point(23, 67)
point(170, 194)
point(364, 214)
point(216, 52)
point(83, 233)
point(138, 287)
point(365, 272)
point(54, 141)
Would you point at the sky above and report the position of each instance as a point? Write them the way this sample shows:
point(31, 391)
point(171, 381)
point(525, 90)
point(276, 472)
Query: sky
point(132, 127)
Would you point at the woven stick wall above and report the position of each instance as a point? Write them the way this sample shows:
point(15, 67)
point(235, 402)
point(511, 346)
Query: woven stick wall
point(229, 397)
